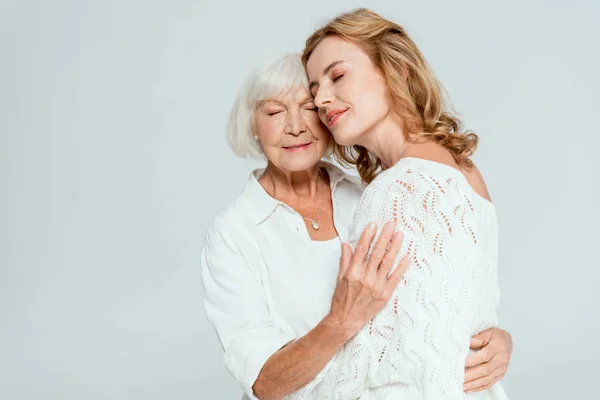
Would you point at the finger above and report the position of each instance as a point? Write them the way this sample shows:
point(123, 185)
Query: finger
point(486, 387)
point(379, 250)
point(482, 370)
point(483, 383)
point(479, 357)
point(395, 277)
point(390, 256)
point(476, 343)
point(362, 247)
point(482, 339)
point(344, 260)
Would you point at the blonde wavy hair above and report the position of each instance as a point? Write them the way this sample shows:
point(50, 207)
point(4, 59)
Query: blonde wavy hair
point(415, 91)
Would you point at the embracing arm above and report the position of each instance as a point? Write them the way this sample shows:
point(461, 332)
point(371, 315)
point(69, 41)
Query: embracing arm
point(298, 362)
point(362, 289)
point(236, 305)
point(262, 354)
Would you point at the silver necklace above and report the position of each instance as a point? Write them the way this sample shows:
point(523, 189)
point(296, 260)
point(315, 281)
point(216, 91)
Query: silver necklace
point(313, 222)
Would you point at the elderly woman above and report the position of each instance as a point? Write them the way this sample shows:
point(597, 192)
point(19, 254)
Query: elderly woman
point(277, 280)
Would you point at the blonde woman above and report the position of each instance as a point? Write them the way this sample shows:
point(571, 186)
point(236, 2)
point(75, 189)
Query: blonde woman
point(384, 107)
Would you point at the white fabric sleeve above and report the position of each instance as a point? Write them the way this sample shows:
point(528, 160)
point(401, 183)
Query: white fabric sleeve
point(236, 305)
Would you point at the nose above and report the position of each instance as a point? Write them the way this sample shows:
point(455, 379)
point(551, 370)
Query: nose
point(295, 123)
point(323, 97)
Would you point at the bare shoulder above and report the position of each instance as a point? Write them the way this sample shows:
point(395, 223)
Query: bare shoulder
point(476, 181)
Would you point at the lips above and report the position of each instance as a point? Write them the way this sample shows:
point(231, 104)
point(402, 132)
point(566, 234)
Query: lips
point(332, 116)
point(297, 147)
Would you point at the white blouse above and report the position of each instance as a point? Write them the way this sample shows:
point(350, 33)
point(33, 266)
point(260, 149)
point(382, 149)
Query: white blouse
point(265, 282)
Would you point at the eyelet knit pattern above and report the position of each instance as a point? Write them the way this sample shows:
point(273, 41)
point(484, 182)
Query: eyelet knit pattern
point(416, 347)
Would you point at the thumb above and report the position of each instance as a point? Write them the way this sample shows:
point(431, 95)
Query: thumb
point(344, 260)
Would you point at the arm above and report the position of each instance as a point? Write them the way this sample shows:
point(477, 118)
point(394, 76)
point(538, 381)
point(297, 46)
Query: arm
point(362, 290)
point(236, 305)
point(256, 353)
point(300, 361)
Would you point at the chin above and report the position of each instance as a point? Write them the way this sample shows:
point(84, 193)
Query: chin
point(345, 138)
point(303, 163)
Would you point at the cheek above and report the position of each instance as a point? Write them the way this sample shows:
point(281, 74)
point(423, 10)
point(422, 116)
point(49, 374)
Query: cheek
point(322, 114)
point(319, 130)
point(381, 94)
point(268, 130)
point(315, 126)
point(374, 105)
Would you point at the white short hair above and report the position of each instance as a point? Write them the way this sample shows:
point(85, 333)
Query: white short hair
point(270, 80)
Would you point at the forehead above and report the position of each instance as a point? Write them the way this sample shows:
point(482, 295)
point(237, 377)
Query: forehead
point(293, 95)
point(333, 49)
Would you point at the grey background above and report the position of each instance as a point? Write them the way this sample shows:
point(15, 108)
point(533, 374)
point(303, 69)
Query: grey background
point(113, 161)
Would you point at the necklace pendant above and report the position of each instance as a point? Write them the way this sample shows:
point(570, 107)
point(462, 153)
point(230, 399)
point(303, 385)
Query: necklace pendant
point(315, 225)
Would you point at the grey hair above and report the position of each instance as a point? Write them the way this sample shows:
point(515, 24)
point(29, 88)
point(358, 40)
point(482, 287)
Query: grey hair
point(271, 79)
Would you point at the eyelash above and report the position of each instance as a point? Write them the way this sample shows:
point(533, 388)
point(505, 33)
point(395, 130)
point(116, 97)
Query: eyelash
point(277, 112)
point(337, 78)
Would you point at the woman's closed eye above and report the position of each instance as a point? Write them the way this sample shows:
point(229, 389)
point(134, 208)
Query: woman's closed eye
point(337, 77)
point(273, 112)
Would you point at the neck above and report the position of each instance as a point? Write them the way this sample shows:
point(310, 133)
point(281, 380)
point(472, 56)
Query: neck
point(386, 140)
point(283, 184)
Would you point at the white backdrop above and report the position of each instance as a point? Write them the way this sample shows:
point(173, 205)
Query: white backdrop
point(113, 162)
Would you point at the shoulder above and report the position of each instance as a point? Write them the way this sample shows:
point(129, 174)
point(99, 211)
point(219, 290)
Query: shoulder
point(227, 216)
point(339, 175)
point(351, 185)
point(224, 224)
point(354, 181)
point(235, 220)
point(475, 179)
point(403, 176)
point(230, 244)
point(242, 213)
point(414, 180)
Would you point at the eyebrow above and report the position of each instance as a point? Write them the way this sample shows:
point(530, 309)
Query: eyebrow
point(261, 103)
point(325, 71)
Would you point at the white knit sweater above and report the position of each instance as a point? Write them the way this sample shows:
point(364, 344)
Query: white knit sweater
point(416, 347)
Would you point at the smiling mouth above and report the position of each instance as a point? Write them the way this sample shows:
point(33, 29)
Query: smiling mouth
point(333, 119)
point(298, 147)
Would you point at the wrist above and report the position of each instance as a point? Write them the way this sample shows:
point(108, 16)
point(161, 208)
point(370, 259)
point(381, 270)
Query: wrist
point(339, 330)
